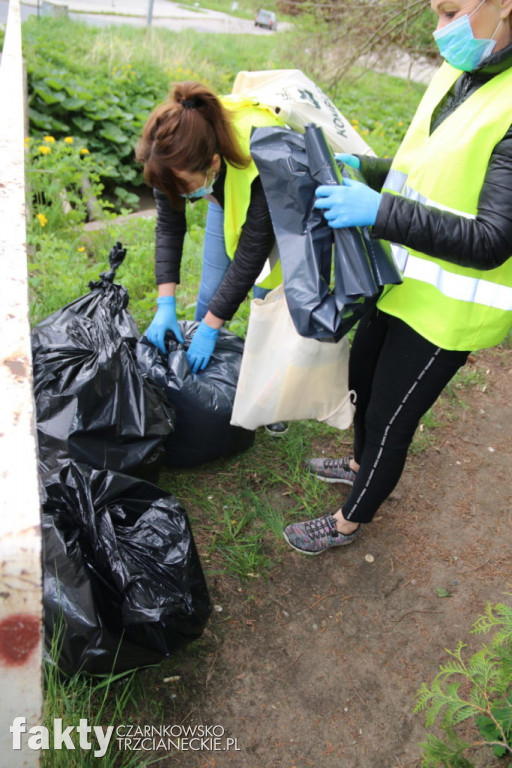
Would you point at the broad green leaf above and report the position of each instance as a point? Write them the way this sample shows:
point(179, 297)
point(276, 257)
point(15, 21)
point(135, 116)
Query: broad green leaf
point(125, 149)
point(73, 104)
point(49, 96)
point(83, 123)
point(128, 173)
point(54, 82)
point(112, 132)
point(78, 92)
point(39, 119)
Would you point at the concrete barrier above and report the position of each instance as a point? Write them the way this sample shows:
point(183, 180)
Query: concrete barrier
point(20, 532)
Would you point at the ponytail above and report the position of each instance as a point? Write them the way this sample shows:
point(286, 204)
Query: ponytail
point(183, 134)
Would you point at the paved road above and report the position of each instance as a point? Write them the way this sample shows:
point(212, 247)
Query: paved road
point(165, 14)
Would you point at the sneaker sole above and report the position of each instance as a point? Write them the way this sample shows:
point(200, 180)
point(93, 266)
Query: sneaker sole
point(302, 551)
point(305, 552)
point(275, 434)
point(331, 479)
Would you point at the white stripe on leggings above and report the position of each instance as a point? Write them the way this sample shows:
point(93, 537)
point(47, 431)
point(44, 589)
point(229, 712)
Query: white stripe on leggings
point(386, 431)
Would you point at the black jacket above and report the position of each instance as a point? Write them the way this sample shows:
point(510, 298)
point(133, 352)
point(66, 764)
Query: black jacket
point(482, 243)
point(254, 246)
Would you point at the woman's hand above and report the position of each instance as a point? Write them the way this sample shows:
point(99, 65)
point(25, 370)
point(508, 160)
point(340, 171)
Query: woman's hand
point(351, 160)
point(351, 204)
point(164, 320)
point(202, 346)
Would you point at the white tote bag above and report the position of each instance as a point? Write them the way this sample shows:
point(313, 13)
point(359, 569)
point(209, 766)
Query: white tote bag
point(286, 377)
point(298, 101)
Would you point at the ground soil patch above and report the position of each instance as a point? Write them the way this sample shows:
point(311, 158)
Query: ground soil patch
point(320, 665)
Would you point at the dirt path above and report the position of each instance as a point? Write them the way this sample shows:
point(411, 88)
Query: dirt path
point(321, 666)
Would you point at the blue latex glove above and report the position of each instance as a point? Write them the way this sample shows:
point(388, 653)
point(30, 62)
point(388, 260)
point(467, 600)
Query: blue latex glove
point(202, 346)
point(164, 319)
point(351, 204)
point(351, 160)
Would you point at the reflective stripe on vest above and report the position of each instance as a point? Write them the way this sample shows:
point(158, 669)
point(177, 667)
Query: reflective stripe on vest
point(453, 285)
point(446, 169)
point(396, 181)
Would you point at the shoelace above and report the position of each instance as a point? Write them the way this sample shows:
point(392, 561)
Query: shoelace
point(336, 463)
point(321, 526)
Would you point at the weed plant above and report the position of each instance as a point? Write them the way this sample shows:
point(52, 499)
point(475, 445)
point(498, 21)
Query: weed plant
point(477, 691)
point(63, 179)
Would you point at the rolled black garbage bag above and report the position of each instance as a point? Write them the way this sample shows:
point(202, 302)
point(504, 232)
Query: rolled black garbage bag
point(379, 267)
point(306, 243)
point(304, 240)
point(351, 262)
point(123, 585)
point(202, 402)
point(92, 403)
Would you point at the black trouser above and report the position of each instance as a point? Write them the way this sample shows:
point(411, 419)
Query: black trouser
point(397, 375)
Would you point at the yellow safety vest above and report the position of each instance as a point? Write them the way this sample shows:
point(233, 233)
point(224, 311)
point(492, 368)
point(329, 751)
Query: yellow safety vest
point(246, 114)
point(453, 307)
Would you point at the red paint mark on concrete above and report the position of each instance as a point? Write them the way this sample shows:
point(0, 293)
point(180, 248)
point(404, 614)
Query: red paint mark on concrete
point(19, 635)
point(18, 368)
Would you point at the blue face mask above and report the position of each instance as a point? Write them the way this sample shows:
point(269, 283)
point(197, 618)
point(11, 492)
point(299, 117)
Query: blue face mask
point(201, 191)
point(459, 47)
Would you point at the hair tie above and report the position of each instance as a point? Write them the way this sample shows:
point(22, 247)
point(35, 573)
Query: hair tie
point(189, 103)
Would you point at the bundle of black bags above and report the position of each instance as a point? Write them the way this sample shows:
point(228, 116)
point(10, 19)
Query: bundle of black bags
point(123, 583)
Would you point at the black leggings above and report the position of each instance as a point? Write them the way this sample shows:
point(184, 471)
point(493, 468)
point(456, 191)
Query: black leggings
point(397, 375)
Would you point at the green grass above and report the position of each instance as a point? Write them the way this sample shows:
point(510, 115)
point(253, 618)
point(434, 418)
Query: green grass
point(102, 701)
point(239, 506)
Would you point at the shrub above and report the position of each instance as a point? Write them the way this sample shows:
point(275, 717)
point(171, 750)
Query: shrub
point(100, 84)
point(477, 692)
point(98, 99)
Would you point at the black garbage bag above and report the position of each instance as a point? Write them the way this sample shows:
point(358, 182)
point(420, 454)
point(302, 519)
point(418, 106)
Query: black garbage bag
point(123, 583)
point(92, 402)
point(202, 402)
point(291, 166)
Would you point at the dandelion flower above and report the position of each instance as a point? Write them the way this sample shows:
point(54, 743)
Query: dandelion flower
point(68, 140)
point(84, 151)
point(27, 141)
point(81, 249)
point(49, 139)
point(42, 219)
point(44, 150)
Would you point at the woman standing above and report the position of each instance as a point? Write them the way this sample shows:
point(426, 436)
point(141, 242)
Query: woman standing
point(445, 201)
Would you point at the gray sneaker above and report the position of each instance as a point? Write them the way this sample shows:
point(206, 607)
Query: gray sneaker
point(315, 536)
point(332, 470)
